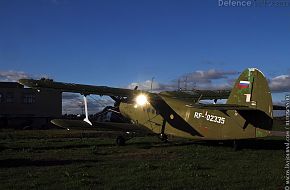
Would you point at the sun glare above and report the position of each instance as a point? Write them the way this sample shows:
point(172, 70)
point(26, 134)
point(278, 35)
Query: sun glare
point(141, 100)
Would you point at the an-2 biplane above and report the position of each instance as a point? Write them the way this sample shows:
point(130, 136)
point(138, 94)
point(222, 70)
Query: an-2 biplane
point(247, 114)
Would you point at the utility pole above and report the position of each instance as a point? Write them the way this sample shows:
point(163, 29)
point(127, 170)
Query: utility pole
point(151, 83)
point(186, 83)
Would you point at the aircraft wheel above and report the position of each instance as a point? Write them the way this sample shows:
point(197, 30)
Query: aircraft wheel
point(163, 137)
point(120, 141)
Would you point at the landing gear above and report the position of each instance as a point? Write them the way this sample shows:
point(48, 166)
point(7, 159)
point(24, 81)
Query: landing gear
point(120, 140)
point(163, 137)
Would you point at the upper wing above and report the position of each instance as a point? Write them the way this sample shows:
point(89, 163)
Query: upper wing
point(221, 107)
point(193, 95)
point(79, 88)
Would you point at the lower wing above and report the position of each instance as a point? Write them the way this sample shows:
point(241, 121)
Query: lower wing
point(80, 124)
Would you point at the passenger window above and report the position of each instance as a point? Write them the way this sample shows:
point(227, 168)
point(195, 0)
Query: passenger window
point(29, 98)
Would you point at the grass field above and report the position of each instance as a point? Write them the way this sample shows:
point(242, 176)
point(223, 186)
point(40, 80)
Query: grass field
point(58, 159)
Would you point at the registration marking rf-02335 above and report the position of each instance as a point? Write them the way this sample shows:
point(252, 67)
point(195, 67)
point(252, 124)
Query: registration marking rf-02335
point(209, 117)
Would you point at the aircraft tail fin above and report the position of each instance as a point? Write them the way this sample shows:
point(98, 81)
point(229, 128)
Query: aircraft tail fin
point(251, 89)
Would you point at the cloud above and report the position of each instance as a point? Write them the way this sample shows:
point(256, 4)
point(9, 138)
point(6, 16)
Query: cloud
point(69, 96)
point(206, 77)
point(146, 85)
point(156, 86)
point(211, 79)
point(12, 76)
point(197, 79)
point(280, 83)
point(73, 103)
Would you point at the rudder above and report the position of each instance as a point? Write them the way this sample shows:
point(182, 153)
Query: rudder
point(251, 89)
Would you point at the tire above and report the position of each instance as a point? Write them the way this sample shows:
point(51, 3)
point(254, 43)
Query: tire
point(163, 137)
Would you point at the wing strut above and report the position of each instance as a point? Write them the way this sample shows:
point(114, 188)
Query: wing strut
point(86, 111)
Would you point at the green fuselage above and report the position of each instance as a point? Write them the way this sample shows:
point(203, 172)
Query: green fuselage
point(182, 120)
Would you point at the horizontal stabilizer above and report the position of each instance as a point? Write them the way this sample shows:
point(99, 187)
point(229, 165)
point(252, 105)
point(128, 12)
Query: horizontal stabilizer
point(278, 133)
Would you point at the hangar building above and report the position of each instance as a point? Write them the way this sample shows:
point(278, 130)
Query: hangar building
point(26, 108)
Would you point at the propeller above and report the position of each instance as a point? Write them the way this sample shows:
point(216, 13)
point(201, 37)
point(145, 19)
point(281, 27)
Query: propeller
point(115, 108)
point(119, 99)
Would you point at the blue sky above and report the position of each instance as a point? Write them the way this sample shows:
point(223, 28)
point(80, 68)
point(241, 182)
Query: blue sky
point(116, 43)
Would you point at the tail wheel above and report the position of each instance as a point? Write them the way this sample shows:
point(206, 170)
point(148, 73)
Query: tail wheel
point(120, 141)
point(236, 145)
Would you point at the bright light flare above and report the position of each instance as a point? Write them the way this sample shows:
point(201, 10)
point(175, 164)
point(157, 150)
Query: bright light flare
point(141, 100)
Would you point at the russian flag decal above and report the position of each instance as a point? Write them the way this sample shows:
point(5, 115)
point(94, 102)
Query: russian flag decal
point(243, 84)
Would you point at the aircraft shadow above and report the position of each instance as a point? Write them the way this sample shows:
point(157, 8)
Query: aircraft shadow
point(9, 163)
point(256, 144)
point(148, 145)
point(46, 148)
point(263, 144)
